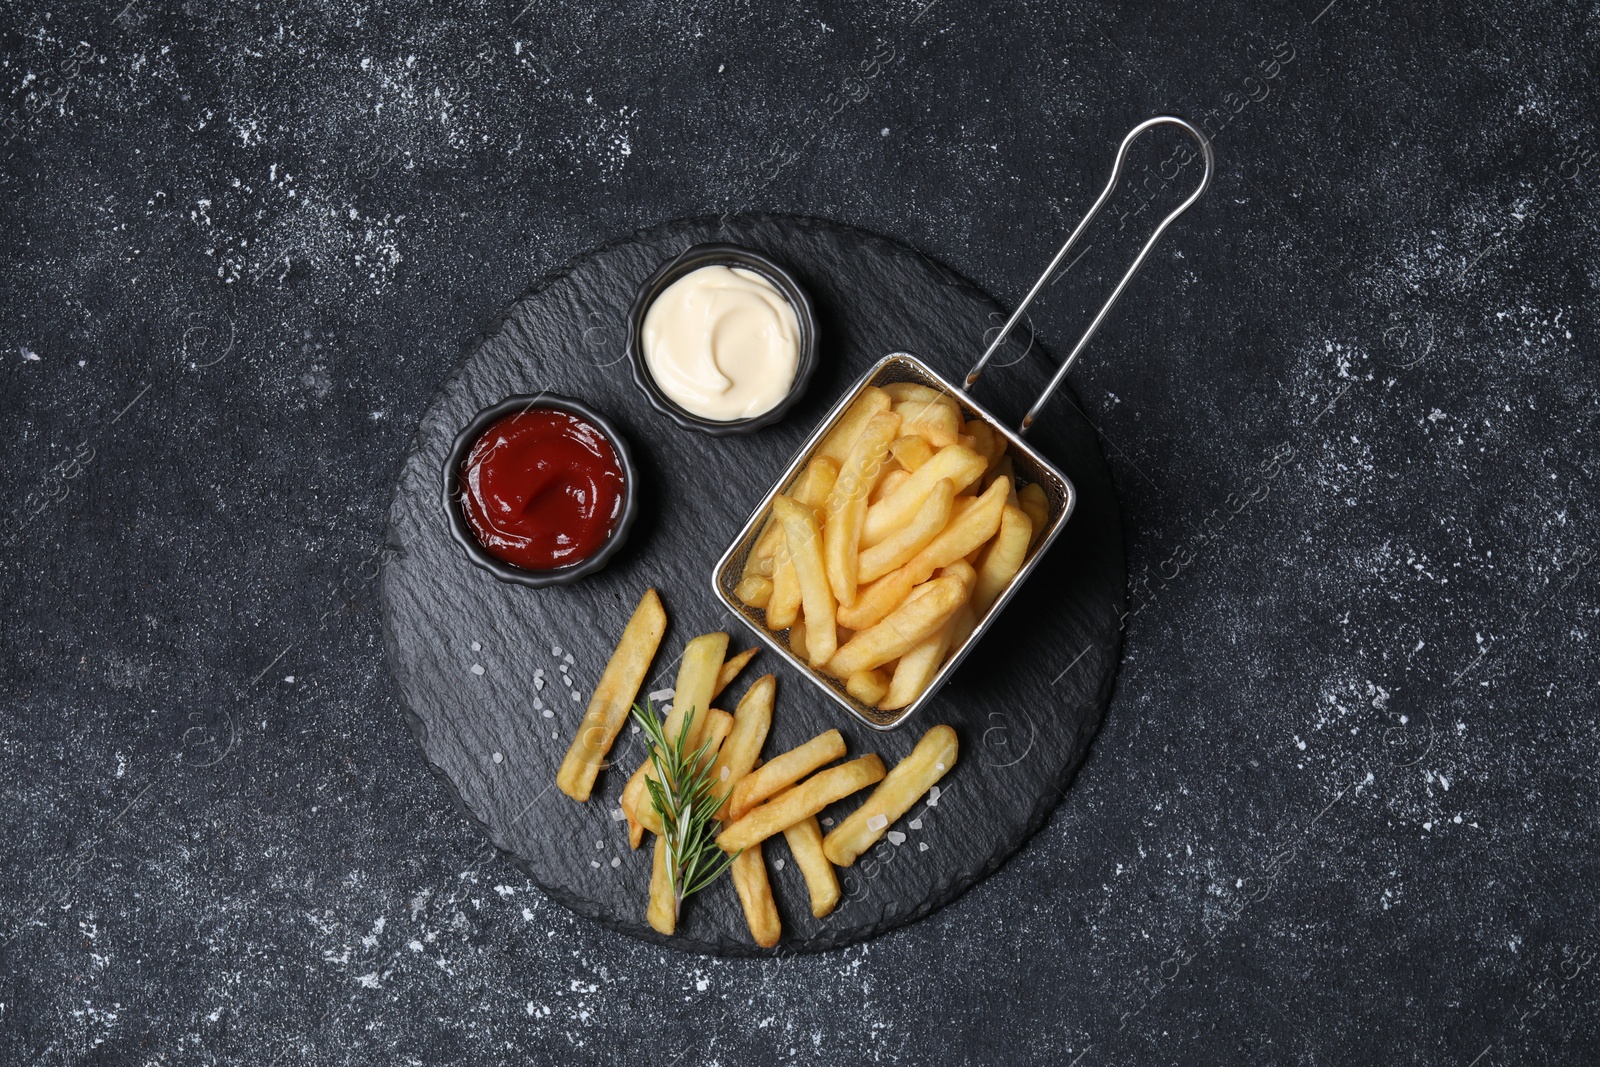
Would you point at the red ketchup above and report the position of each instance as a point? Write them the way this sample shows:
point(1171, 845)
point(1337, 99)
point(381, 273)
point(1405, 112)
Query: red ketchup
point(542, 489)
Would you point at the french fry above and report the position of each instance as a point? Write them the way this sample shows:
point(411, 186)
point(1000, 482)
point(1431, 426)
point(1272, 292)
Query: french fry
point(896, 549)
point(749, 872)
point(869, 687)
point(751, 721)
point(718, 724)
point(939, 422)
point(781, 772)
point(836, 446)
point(961, 465)
point(924, 611)
point(805, 542)
point(801, 801)
point(1031, 499)
point(754, 590)
point(613, 697)
point(632, 795)
point(887, 484)
point(916, 668)
point(903, 392)
point(730, 670)
point(911, 451)
point(1003, 558)
point(663, 910)
point(805, 844)
point(846, 508)
point(812, 487)
point(698, 672)
point(972, 522)
point(797, 638)
point(783, 606)
point(913, 776)
point(988, 444)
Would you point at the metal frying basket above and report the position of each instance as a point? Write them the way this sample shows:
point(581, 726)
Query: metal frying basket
point(1030, 466)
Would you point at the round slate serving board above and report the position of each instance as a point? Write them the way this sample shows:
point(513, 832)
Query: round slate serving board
point(484, 667)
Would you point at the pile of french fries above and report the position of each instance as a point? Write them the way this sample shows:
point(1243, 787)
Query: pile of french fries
point(761, 799)
point(896, 538)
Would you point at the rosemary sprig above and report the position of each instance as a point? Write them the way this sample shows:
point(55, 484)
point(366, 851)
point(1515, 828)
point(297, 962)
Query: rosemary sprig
point(684, 799)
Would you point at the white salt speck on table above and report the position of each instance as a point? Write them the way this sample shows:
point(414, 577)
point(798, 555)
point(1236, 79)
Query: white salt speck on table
point(617, 815)
point(476, 647)
point(827, 822)
point(477, 668)
point(568, 658)
point(615, 862)
point(922, 846)
point(595, 864)
point(933, 797)
point(896, 837)
point(777, 864)
point(915, 824)
point(547, 713)
point(662, 694)
point(498, 758)
point(555, 650)
point(575, 696)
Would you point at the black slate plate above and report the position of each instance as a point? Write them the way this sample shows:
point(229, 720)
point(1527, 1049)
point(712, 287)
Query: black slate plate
point(1025, 704)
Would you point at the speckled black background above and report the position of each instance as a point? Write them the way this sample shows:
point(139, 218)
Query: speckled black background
point(1343, 806)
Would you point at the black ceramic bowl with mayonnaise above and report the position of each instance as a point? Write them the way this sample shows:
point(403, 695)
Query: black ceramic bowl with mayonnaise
point(744, 262)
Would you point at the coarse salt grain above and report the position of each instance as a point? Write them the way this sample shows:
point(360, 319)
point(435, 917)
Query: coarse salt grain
point(877, 822)
point(477, 668)
point(896, 837)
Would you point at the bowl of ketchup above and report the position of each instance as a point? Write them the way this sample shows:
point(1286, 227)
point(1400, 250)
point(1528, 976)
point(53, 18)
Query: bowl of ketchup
point(539, 490)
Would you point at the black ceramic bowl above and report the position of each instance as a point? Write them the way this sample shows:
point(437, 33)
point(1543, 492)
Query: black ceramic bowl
point(462, 532)
point(722, 255)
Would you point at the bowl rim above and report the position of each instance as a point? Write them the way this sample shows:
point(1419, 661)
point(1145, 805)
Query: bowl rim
point(461, 531)
point(714, 254)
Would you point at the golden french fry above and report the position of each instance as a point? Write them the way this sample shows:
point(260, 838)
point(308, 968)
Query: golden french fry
point(718, 725)
point(806, 541)
point(749, 872)
point(1031, 499)
point(636, 806)
point(961, 465)
point(940, 423)
point(915, 669)
point(811, 487)
point(805, 844)
point(751, 721)
point(754, 590)
point(911, 451)
point(869, 687)
point(972, 522)
point(613, 697)
point(797, 637)
point(888, 483)
point(913, 776)
point(846, 509)
point(1003, 558)
point(924, 611)
point(781, 772)
point(896, 549)
point(663, 910)
point(836, 446)
point(730, 670)
point(988, 444)
point(698, 672)
point(801, 801)
point(783, 606)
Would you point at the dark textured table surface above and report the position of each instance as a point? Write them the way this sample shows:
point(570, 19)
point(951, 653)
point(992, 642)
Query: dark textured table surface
point(1343, 805)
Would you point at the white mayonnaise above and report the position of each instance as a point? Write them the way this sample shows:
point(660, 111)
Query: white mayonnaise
point(723, 343)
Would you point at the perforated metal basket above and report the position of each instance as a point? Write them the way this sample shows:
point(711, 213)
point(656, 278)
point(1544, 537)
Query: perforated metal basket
point(1029, 465)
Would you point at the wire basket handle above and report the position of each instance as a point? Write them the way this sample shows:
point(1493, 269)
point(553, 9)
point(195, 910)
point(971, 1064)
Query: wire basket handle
point(1138, 261)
